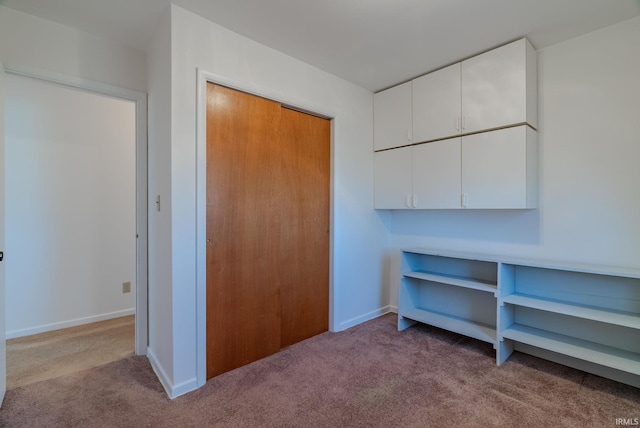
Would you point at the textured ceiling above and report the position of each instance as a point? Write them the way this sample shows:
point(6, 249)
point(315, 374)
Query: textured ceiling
point(373, 43)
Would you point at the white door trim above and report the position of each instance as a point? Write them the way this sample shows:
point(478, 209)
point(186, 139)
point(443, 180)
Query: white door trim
point(3, 310)
point(140, 99)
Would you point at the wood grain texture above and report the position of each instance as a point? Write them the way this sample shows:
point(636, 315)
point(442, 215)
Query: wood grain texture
point(268, 184)
point(243, 228)
point(304, 238)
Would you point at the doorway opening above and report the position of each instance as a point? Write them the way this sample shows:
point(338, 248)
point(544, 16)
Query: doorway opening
point(76, 216)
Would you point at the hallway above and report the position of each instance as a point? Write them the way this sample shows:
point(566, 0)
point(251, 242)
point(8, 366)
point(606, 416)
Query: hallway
point(49, 355)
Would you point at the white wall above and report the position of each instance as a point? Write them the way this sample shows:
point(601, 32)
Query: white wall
point(70, 206)
point(34, 43)
point(359, 235)
point(589, 147)
point(160, 350)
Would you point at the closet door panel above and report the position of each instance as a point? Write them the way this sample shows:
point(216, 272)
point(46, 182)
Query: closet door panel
point(304, 228)
point(244, 203)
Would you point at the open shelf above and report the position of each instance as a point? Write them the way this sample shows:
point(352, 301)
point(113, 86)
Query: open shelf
point(455, 280)
point(582, 316)
point(626, 319)
point(469, 328)
point(589, 351)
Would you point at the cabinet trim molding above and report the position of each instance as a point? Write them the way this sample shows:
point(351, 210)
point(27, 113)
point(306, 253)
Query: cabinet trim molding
point(515, 125)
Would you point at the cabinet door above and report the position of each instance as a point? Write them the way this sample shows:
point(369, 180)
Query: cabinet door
point(499, 169)
point(392, 117)
point(436, 174)
point(494, 88)
point(393, 180)
point(436, 104)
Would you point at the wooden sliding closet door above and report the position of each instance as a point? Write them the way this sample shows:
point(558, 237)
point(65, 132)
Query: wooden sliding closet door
point(268, 172)
point(243, 229)
point(305, 229)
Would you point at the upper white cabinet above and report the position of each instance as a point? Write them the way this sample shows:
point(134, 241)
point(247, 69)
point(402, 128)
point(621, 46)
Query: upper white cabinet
point(463, 136)
point(437, 104)
point(499, 88)
point(492, 90)
point(392, 117)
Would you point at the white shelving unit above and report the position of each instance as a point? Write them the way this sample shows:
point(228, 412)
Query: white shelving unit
point(591, 314)
point(453, 294)
point(586, 317)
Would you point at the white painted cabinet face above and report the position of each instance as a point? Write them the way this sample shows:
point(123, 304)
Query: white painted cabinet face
point(393, 186)
point(488, 170)
point(436, 104)
point(498, 169)
point(392, 117)
point(436, 174)
point(497, 88)
point(491, 96)
point(425, 176)
point(491, 90)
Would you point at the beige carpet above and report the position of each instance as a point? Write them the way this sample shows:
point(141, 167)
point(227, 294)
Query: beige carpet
point(368, 376)
point(58, 353)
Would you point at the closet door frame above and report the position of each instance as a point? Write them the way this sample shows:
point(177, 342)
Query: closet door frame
point(204, 77)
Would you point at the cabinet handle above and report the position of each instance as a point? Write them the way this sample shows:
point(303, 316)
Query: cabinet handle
point(464, 123)
point(464, 200)
point(458, 124)
point(414, 201)
point(408, 134)
point(407, 201)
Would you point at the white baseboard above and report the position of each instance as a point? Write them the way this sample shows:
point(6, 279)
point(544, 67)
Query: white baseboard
point(365, 317)
point(70, 323)
point(184, 387)
point(172, 391)
point(159, 371)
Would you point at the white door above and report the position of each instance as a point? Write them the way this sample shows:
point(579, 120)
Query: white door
point(3, 343)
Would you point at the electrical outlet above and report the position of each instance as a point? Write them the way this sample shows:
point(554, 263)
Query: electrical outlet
point(126, 287)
